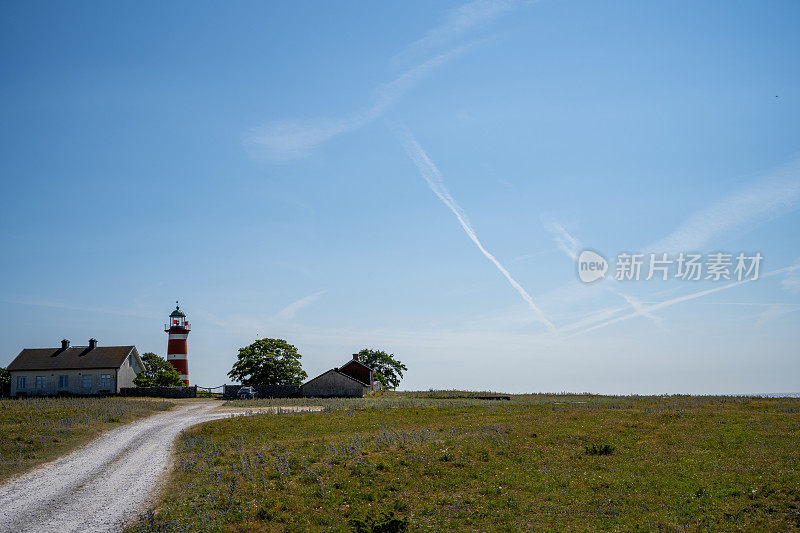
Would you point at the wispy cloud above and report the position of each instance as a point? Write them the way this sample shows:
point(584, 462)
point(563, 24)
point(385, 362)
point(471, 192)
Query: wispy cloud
point(294, 139)
point(593, 318)
point(436, 183)
point(750, 304)
point(286, 140)
point(761, 201)
point(458, 21)
point(565, 242)
point(570, 245)
point(525, 257)
point(681, 299)
point(288, 312)
point(776, 311)
point(638, 306)
point(76, 307)
point(791, 282)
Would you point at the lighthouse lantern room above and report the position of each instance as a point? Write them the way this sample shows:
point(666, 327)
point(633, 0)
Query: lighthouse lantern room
point(177, 352)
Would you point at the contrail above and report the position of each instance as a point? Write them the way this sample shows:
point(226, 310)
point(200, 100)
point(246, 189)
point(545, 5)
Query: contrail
point(435, 181)
point(661, 305)
point(639, 307)
point(285, 140)
point(288, 312)
point(565, 242)
point(570, 246)
point(762, 200)
point(295, 139)
point(458, 21)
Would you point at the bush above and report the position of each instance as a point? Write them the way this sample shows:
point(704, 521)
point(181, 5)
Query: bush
point(385, 523)
point(157, 372)
point(5, 382)
point(603, 449)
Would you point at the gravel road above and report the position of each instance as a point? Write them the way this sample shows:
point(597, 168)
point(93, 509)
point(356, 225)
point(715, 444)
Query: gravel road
point(104, 484)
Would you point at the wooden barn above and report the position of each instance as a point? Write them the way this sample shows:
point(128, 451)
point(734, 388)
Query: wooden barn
point(351, 380)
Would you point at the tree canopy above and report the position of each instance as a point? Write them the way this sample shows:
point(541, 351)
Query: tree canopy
point(5, 381)
point(268, 362)
point(157, 373)
point(385, 368)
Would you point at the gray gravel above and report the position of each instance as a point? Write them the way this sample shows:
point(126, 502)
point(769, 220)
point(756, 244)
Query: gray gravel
point(102, 485)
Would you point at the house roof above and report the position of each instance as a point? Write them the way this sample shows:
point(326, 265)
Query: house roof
point(336, 370)
point(351, 361)
point(75, 358)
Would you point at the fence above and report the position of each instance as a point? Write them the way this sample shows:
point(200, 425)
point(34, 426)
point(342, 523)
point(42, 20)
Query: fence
point(229, 392)
point(160, 392)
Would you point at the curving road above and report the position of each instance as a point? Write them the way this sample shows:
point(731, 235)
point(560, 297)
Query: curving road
point(104, 484)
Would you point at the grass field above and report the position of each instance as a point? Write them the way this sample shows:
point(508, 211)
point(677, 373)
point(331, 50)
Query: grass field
point(436, 462)
point(36, 430)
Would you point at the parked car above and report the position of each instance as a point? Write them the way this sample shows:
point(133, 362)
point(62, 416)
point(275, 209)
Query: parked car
point(247, 393)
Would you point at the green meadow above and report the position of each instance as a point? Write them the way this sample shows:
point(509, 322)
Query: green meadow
point(445, 462)
point(37, 430)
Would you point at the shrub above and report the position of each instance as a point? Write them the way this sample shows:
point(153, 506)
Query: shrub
point(385, 523)
point(603, 449)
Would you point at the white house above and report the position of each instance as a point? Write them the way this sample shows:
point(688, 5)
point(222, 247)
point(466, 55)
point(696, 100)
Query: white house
point(74, 370)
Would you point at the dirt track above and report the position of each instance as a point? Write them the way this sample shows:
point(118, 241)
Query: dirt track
point(102, 485)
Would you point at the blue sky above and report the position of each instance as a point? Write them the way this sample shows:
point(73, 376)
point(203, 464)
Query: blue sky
point(332, 173)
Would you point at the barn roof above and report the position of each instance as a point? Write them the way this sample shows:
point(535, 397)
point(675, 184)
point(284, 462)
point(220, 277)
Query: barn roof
point(356, 361)
point(75, 358)
point(336, 370)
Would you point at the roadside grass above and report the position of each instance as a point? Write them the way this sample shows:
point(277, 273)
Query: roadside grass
point(536, 462)
point(37, 430)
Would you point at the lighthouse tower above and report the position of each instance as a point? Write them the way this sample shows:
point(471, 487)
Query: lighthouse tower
point(177, 354)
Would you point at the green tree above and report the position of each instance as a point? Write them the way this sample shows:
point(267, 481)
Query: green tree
point(269, 362)
point(157, 373)
point(5, 382)
point(385, 368)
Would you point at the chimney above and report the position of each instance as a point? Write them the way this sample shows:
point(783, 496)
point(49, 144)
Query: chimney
point(92, 344)
point(64, 344)
point(355, 357)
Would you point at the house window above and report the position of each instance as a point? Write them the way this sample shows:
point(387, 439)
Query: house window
point(40, 382)
point(21, 381)
point(105, 381)
point(86, 381)
point(63, 382)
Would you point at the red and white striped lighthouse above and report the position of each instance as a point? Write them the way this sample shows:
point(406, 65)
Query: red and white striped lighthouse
point(177, 354)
